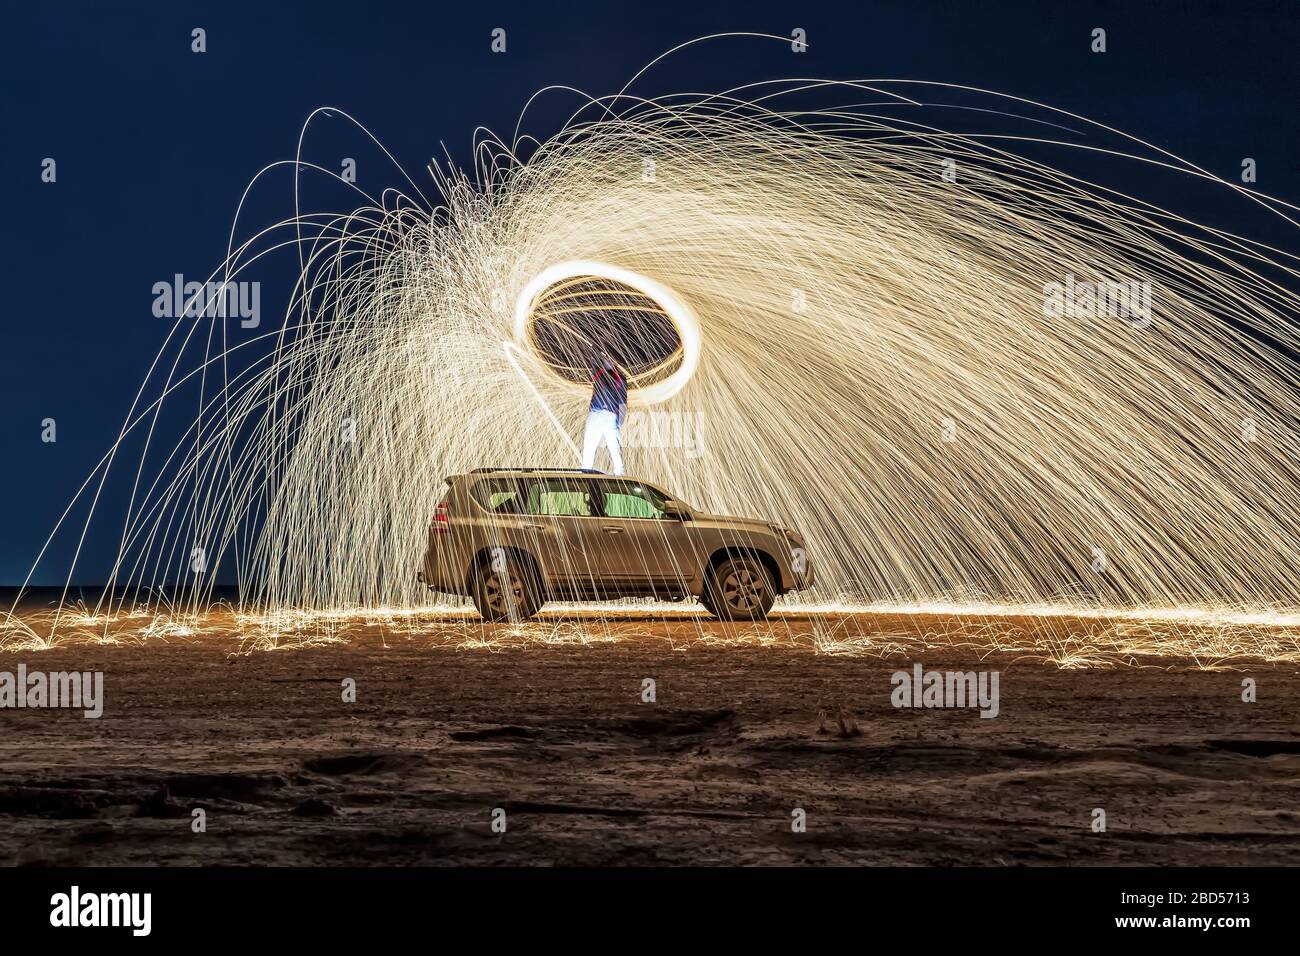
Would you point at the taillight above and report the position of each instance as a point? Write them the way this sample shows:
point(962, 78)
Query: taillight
point(441, 522)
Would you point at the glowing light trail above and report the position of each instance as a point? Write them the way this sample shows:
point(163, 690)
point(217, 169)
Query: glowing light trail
point(882, 324)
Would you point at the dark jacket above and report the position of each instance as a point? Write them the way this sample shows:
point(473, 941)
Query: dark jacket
point(608, 391)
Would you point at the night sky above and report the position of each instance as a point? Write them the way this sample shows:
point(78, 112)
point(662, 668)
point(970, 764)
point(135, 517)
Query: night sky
point(154, 144)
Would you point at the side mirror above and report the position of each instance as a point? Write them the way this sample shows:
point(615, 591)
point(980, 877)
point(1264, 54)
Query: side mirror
point(676, 511)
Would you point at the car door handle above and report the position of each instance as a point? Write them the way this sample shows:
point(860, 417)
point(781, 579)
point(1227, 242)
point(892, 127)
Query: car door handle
point(612, 529)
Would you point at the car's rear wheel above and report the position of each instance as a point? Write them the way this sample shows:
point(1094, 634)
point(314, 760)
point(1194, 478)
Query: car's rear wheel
point(739, 589)
point(506, 589)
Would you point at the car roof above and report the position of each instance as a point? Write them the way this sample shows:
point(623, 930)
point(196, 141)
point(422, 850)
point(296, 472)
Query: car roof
point(543, 472)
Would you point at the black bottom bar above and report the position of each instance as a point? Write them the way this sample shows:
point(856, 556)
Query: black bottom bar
point(653, 906)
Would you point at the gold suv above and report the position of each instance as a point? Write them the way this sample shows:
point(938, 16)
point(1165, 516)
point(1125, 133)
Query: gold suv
point(515, 538)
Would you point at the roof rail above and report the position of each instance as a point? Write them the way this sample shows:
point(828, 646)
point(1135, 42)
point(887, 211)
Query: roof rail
point(583, 471)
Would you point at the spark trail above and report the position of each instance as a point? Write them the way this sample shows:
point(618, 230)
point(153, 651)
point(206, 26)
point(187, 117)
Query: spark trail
point(864, 303)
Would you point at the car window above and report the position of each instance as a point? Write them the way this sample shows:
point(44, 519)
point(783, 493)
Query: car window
point(560, 496)
point(538, 496)
point(631, 499)
point(503, 496)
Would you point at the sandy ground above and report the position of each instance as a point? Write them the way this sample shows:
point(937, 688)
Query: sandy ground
point(555, 733)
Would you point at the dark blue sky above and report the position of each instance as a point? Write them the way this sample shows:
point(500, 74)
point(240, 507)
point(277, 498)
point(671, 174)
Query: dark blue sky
point(155, 144)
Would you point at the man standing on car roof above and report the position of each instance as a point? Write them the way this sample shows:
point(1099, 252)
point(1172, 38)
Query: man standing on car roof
point(608, 409)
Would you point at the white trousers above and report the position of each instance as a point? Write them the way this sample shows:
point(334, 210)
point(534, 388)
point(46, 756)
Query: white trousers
point(602, 427)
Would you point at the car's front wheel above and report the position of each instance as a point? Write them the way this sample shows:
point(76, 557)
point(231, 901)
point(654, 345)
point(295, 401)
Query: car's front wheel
point(739, 589)
point(506, 589)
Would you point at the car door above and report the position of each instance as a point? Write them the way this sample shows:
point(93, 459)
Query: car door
point(512, 522)
point(642, 546)
point(566, 507)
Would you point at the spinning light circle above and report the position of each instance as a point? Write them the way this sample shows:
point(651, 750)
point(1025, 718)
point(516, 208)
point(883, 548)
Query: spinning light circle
point(683, 318)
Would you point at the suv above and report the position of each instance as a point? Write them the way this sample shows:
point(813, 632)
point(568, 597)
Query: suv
point(514, 538)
